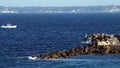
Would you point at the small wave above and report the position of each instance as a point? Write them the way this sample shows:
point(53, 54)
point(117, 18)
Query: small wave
point(28, 58)
point(32, 58)
point(86, 42)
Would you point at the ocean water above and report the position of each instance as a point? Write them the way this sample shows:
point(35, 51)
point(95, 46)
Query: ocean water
point(43, 33)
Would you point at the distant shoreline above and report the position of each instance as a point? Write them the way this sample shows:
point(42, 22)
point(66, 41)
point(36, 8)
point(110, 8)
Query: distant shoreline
point(72, 9)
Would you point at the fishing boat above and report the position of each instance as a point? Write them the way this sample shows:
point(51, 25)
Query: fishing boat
point(8, 26)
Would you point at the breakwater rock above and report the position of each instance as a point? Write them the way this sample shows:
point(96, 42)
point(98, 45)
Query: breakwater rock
point(88, 49)
point(101, 44)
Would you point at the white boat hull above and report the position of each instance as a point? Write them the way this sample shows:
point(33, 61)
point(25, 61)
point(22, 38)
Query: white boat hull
point(15, 26)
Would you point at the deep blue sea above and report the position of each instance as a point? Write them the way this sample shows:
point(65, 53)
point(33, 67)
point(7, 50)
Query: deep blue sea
point(43, 33)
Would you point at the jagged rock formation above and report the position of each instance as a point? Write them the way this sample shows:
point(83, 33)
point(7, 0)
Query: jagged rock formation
point(104, 39)
point(101, 44)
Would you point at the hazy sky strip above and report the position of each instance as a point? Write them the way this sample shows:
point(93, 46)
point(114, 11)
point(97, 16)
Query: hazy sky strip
point(58, 2)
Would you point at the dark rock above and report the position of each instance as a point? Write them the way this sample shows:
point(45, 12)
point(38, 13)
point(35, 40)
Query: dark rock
point(88, 49)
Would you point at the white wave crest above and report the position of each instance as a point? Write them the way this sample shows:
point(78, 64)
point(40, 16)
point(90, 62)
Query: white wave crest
point(32, 58)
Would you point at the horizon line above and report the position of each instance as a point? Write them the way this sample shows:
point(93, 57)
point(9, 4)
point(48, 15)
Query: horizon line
point(61, 6)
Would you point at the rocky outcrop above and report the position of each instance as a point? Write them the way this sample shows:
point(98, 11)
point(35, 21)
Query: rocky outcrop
point(93, 48)
point(88, 49)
